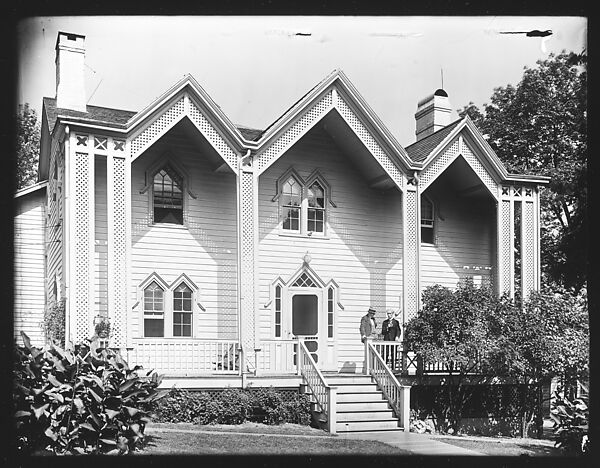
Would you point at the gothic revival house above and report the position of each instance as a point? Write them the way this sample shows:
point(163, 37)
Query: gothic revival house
point(224, 255)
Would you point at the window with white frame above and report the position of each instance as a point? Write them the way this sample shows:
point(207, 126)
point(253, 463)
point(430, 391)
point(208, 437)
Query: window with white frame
point(182, 311)
point(316, 208)
point(330, 311)
point(154, 310)
point(427, 220)
point(302, 203)
point(277, 311)
point(291, 199)
point(167, 196)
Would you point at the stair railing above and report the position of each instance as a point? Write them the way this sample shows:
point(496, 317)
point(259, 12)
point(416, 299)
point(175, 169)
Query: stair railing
point(326, 395)
point(397, 395)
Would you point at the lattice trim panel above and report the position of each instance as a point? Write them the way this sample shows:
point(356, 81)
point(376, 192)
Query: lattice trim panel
point(506, 243)
point(212, 135)
point(119, 253)
point(158, 127)
point(411, 247)
point(365, 135)
point(481, 172)
point(292, 134)
point(247, 259)
point(528, 243)
point(83, 308)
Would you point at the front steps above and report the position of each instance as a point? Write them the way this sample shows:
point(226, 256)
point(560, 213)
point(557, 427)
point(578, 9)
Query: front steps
point(361, 406)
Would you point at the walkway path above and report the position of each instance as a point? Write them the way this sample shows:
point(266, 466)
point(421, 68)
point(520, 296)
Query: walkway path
point(418, 444)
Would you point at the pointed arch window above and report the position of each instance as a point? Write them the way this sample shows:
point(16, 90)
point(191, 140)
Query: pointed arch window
point(277, 311)
point(182, 310)
point(330, 310)
point(427, 221)
point(167, 196)
point(154, 310)
point(316, 208)
point(291, 200)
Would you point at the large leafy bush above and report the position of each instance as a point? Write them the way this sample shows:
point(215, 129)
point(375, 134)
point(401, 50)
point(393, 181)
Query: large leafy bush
point(571, 424)
point(85, 400)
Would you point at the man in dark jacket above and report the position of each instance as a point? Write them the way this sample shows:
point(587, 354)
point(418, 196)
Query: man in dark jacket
point(391, 332)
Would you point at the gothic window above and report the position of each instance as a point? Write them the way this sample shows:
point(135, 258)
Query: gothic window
point(278, 311)
point(427, 220)
point(168, 196)
point(316, 208)
point(182, 311)
point(330, 311)
point(154, 317)
point(291, 198)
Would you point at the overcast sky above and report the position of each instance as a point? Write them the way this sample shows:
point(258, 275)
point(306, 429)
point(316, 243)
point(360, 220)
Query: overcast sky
point(257, 67)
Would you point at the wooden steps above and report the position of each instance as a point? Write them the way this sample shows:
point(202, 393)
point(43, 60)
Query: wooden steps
point(361, 407)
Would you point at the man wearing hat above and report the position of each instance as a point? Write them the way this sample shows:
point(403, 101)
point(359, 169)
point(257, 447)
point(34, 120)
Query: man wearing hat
point(367, 325)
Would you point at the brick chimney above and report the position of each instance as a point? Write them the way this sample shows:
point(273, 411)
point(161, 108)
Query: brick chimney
point(433, 113)
point(70, 77)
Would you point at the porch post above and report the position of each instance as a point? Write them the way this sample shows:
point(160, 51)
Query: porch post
point(247, 245)
point(529, 242)
point(118, 215)
point(80, 238)
point(411, 209)
point(506, 255)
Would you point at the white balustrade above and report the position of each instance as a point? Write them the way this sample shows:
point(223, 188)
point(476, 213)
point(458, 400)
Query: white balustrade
point(187, 357)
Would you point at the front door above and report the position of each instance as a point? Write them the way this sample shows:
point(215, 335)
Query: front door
point(305, 321)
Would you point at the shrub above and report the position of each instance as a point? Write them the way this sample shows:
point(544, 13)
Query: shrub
point(81, 401)
point(571, 424)
point(54, 323)
point(232, 406)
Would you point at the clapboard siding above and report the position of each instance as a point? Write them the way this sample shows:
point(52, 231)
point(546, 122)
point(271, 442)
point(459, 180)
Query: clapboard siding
point(55, 222)
point(205, 250)
point(29, 269)
point(464, 241)
point(100, 237)
point(362, 251)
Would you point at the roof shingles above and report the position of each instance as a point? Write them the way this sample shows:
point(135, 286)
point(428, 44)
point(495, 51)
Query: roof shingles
point(420, 150)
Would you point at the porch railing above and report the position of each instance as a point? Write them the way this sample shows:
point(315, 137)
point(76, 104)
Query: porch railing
point(276, 356)
point(324, 394)
point(397, 395)
point(191, 357)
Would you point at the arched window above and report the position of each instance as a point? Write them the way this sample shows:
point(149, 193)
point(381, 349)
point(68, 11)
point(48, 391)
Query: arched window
point(291, 199)
point(316, 208)
point(182, 311)
point(154, 315)
point(427, 220)
point(168, 196)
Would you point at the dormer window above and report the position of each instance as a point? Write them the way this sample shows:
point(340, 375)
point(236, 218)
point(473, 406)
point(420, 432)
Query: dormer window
point(168, 196)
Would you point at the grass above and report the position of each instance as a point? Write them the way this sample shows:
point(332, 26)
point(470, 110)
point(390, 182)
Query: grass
point(257, 439)
point(504, 446)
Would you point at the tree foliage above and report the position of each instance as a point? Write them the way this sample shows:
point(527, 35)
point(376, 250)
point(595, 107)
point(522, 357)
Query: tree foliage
point(28, 146)
point(475, 333)
point(539, 127)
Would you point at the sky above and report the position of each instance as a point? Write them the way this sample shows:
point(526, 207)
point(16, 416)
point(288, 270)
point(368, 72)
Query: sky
point(256, 67)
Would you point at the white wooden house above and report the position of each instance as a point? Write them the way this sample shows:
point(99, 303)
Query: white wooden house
point(215, 249)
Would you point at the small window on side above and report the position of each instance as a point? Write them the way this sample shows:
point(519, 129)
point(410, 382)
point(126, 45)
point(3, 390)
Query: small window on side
point(427, 221)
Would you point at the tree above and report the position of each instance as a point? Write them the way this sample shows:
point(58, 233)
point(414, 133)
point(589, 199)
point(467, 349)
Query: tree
point(453, 329)
point(539, 127)
point(476, 333)
point(28, 146)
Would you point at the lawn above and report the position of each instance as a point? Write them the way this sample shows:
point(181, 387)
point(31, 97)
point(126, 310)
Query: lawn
point(504, 446)
point(257, 439)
